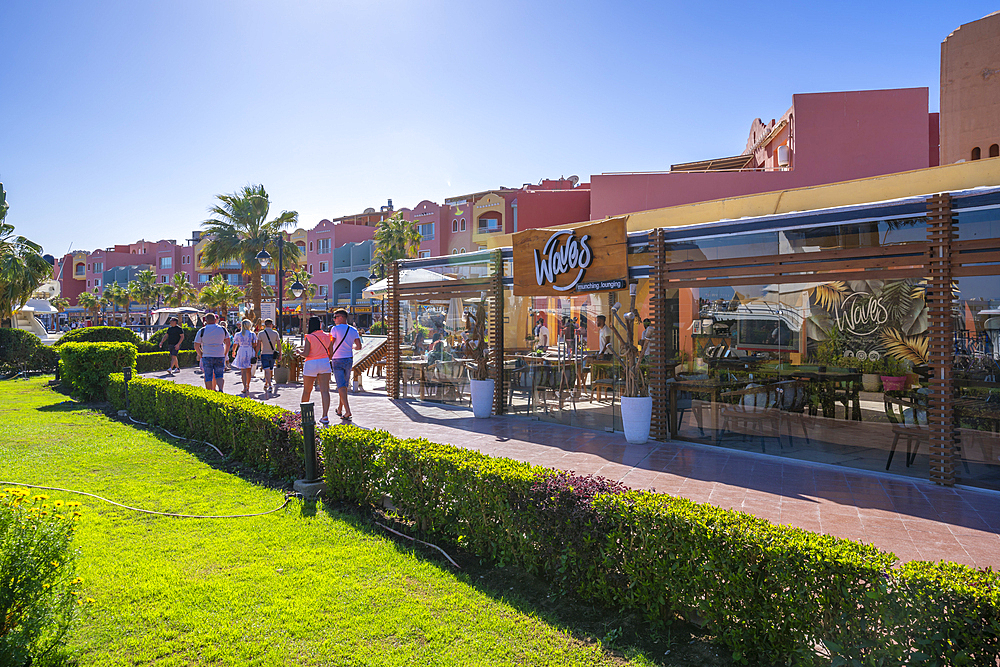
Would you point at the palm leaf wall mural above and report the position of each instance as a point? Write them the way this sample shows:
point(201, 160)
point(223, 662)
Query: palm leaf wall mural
point(906, 348)
point(829, 295)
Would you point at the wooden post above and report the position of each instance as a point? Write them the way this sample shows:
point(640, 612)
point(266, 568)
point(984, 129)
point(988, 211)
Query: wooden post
point(940, 344)
point(394, 334)
point(660, 344)
point(497, 333)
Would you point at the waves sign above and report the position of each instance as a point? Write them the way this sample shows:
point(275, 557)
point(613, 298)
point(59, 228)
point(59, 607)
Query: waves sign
point(562, 262)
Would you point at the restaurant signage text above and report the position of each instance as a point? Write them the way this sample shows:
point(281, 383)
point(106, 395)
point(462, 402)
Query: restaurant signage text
point(554, 262)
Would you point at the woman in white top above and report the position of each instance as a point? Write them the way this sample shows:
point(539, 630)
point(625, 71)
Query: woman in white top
point(245, 343)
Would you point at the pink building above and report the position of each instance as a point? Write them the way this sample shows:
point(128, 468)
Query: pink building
point(326, 261)
point(822, 138)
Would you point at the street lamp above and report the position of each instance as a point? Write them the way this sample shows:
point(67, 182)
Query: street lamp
point(326, 313)
point(264, 258)
point(381, 311)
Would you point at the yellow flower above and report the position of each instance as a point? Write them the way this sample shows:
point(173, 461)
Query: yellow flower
point(78, 580)
point(40, 497)
point(91, 600)
point(55, 563)
point(59, 516)
point(57, 503)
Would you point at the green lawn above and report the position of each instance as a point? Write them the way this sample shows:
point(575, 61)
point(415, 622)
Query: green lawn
point(292, 588)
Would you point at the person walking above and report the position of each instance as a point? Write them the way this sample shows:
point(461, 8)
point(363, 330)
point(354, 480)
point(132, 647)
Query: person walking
point(267, 348)
point(316, 369)
point(173, 340)
point(211, 343)
point(346, 339)
point(245, 343)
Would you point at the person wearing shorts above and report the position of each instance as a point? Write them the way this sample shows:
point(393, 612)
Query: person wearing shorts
point(316, 369)
point(173, 339)
point(212, 345)
point(345, 339)
point(267, 347)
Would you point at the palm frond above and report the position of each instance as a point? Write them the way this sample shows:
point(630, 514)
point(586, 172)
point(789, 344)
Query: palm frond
point(830, 295)
point(901, 346)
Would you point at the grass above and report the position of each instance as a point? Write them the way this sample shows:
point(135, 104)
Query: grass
point(297, 587)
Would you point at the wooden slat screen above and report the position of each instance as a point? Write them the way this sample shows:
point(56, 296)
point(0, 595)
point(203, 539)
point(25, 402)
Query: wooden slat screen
point(497, 333)
point(395, 335)
point(660, 425)
point(940, 346)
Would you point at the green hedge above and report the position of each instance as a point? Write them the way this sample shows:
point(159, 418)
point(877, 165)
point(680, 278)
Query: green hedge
point(243, 429)
point(150, 362)
point(106, 335)
point(771, 593)
point(188, 344)
point(23, 351)
point(86, 366)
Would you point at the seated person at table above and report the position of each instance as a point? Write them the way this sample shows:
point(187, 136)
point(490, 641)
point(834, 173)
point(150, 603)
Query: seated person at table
point(604, 349)
point(437, 352)
point(541, 335)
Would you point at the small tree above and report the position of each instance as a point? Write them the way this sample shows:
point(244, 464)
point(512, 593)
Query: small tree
point(395, 238)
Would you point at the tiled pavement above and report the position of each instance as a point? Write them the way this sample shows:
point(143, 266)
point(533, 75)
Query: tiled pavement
point(914, 519)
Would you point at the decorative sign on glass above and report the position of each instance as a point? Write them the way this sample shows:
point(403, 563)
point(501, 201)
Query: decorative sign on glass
point(566, 261)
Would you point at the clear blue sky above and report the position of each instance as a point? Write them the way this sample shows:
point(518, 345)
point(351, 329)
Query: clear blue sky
point(123, 120)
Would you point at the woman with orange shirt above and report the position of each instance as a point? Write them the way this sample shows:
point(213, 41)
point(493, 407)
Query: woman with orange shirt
point(316, 369)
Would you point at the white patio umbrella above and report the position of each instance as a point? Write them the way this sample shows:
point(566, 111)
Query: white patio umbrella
point(379, 289)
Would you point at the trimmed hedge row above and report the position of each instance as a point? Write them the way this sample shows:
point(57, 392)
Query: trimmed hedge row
point(770, 593)
point(105, 335)
point(243, 429)
point(23, 351)
point(150, 362)
point(85, 366)
point(187, 344)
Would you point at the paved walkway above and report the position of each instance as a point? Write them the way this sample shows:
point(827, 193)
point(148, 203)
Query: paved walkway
point(914, 519)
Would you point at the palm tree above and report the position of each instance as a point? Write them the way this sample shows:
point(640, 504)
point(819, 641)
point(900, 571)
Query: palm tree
point(309, 290)
point(239, 230)
point(91, 303)
point(145, 289)
point(22, 267)
point(113, 295)
point(395, 238)
point(217, 294)
point(179, 290)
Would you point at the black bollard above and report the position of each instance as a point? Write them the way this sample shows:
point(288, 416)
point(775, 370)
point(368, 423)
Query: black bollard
point(127, 372)
point(309, 439)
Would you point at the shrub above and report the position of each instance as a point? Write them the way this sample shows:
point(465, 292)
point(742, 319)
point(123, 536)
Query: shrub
point(770, 593)
point(243, 429)
point(100, 335)
point(187, 344)
point(150, 362)
point(23, 351)
point(39, 592)
point(86, 366)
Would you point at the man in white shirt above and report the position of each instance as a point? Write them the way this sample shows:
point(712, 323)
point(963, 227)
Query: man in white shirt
point(542, 335)
point(647, 337)
point(346, 339)
point(604, 336)
point(212, 345)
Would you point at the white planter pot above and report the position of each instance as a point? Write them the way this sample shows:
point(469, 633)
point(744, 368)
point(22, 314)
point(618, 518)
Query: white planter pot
point(636, 416)
point(482, 397)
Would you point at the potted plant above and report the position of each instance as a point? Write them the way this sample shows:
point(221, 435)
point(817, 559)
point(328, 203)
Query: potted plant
point(481, 385)
point(287, 371)
point(893, 374)
point(637, 404)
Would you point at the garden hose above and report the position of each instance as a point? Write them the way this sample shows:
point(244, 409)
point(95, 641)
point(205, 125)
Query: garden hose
point(288, 499)
point(136, 421)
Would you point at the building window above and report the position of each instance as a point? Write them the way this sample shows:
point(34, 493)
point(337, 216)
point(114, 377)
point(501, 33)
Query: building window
point(88, 266)
point(322, 290)
point(202, 278)
point(268, 279)
point(80, 271)
point(995, 150)
point(310, 246)
point(454, 251)
point(462, 251)
point(166, 262)
point(233, 278)
point(163, 278)
point(323, 266)
point(424, 253)
point(489, 225)
point(454, 225)
point(98, 267)
point(323, 245)
point(310, 268)
point(426, 231)
point(97, 282)
point(976, 153)
point(463, 225)
point(88, 283)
